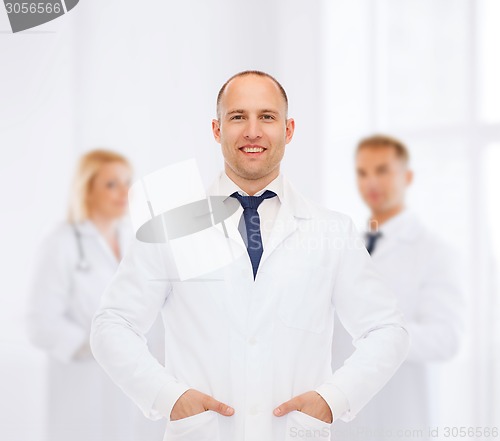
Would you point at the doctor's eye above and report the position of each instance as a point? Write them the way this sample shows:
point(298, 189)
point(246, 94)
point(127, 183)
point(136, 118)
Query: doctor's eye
point(110, 184)
point(236, 117)
point(268, 117)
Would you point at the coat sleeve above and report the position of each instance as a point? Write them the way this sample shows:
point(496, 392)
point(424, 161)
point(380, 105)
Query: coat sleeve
point(438, 325)
point(369, 312)
point(48, 325)
point(129, 306)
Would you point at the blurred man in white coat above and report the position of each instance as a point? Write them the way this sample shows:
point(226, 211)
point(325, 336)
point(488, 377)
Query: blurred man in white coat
point(248, 345)
point(424, 273)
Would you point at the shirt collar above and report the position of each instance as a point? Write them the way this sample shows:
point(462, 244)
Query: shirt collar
point(286, 192)
point(228, 186)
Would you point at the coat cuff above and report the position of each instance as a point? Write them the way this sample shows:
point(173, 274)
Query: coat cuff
point(335, 398)
point(167, 397)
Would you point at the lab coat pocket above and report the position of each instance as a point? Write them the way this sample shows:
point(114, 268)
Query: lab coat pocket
point(304, 297)
point(303, 427)
point(203, 426)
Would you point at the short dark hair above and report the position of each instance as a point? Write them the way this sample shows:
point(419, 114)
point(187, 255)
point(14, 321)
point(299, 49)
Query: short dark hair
point(380, 140)
point(244, 74)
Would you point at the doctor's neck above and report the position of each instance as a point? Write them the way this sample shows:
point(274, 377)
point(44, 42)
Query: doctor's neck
point(378, 217)
point(106, 225)
point(251, 185)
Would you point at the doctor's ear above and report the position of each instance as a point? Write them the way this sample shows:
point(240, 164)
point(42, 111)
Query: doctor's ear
point(409, 177)
point(290, 129)
point(216, 129)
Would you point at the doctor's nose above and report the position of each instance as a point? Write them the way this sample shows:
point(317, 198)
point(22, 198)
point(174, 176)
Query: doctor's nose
point(370, 181)
point(252, 130)
point(123, 190)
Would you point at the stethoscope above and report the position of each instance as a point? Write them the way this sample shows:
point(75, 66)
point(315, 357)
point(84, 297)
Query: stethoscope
point(82, 264)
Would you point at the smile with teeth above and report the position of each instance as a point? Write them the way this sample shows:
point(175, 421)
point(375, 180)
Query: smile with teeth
point(252, 149)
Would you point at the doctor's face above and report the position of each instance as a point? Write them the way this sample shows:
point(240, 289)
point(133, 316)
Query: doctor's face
point(382, 178)
point(108, 193)
point(252, 128)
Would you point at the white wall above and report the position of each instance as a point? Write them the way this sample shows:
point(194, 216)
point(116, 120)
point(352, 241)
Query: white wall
point(37, 148)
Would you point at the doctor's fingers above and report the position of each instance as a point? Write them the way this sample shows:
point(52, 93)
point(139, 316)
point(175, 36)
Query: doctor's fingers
point(210, 403)
point(295, 403)
point(193, 402)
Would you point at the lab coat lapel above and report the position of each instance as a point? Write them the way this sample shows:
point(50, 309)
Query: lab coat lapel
point(125, 235)
point(292, 210)
point(403, 230)
point(89, 229)
point(229, 227)
point(284, 225)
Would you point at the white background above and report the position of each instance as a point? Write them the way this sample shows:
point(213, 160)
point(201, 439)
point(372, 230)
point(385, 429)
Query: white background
point(142, 78)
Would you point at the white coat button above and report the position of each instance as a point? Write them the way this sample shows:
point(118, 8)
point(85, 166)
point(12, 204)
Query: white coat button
point(252, 341)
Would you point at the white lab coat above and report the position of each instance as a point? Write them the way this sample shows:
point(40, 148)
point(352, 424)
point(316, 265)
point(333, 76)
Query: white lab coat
point(253, 344)
point(424, 273)
point(83, 403)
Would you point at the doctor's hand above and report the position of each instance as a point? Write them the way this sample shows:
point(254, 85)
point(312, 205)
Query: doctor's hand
point(193, 402)
point(311, 403)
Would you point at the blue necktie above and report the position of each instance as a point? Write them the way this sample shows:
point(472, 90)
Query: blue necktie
point(371, 241)
point(252, 225)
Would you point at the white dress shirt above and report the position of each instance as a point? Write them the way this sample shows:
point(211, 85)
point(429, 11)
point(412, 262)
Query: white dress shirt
point(268, 209)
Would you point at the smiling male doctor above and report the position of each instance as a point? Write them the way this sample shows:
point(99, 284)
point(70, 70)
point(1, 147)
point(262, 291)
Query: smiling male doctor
point(248, 346)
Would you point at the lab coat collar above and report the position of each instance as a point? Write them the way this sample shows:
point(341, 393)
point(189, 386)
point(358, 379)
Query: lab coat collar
point(89, 229)
point(405, 226)
point(287, 194)
point(293, 208)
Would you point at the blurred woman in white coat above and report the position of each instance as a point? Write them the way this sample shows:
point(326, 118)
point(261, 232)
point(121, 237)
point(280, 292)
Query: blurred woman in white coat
point(424, 273)
point(75, 263)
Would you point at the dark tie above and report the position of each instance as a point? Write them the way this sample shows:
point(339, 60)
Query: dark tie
point(252, 225)
point(371, 241)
